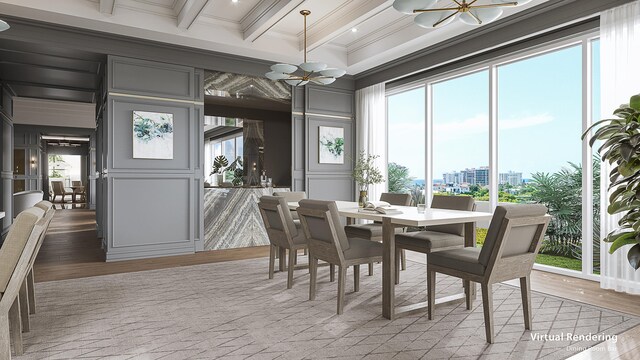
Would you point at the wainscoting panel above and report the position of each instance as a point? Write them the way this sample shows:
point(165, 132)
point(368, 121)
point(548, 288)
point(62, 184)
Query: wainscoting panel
point(313, 125)
point(330, 101)
point(330, 187)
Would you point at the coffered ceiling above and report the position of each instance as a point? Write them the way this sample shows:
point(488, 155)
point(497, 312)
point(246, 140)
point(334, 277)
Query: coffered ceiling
point(352, 34)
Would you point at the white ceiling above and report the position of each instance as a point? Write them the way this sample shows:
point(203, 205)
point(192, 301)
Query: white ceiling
point(266, 29)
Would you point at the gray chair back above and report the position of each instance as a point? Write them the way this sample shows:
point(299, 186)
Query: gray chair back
point(278, 221)
point(58, 187)
point(396, 199)
point(448, 202)
point(76, 183)
point(292, 196)
point(323, 229)
point(513, 240)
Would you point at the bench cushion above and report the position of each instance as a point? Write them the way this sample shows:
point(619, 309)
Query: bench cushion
point(366, 231)
point(15, 242)
point(44, 205)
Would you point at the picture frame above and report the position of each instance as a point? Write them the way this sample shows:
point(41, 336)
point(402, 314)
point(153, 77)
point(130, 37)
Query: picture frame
point(331, 145)
point(152, 135)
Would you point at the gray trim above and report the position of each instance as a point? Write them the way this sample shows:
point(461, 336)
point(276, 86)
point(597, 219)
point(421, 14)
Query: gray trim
point(544, 18)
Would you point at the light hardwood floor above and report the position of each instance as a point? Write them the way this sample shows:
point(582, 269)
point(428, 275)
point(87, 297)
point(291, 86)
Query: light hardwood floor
point(72, 250)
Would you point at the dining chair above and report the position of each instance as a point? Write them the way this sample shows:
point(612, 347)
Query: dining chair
point(438, 237)
point(292, 196)
point(509, 251)
point(79, 189)
point(373, 231)
point(59, 189)
point(329, 242)
point(282, 232)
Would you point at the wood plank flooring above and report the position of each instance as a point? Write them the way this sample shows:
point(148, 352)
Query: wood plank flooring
point(72, 250)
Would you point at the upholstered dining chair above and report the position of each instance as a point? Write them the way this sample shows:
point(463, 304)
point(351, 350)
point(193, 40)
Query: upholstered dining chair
point(79, 189)
point(59, 190)
point(292, 196)
point(373, 231)
point(439, 237)
point(509, 251)
point(282, 232)
point(329, 242)
point(14, 260)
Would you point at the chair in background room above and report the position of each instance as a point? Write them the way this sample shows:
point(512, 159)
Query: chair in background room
point(25, 199)
point(329, 242)
point(373, 231)
point(439, 237)
point(78, 189)
point(509, 251)
point(283, 233)
point(59, 190)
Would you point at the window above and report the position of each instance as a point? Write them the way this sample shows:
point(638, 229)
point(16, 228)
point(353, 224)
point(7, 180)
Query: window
point(460, 111)
point(406, 143)
point(509, 130)
point(540, 150)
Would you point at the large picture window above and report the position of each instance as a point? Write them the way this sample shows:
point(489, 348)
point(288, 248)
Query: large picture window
point(509, 131)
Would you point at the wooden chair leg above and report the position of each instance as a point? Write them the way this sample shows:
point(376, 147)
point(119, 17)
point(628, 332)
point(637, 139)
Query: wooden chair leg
point(525, 289)
point(313, 266)
point(295, 257)
point(342, 279)
point(487, 304)
point(398, 252)
point(403, 256)
point(292, 265)
point(32, 292)
point(431, 292)
point(356, 278)
point(370, 269)
point(272, 260)
point(282, 257)
point(24, 307)
point(5, 340)
point(467, 293)
point(332, 272)
point(16, 326)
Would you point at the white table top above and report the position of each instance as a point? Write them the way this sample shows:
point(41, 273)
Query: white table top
point(2, 214)
point(410, 215)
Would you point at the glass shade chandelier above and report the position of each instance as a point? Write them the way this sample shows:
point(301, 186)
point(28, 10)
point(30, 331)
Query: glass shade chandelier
point(309, 71)
point(471, 13)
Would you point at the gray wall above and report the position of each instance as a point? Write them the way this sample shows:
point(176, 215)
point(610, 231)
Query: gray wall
point(6, 165)
point(29, 141)
point(315, 106)
point(152, 207)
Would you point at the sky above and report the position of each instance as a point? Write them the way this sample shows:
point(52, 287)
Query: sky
point(539, 118)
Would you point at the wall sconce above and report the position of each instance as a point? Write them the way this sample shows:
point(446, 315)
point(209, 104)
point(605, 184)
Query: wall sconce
point(33, 162)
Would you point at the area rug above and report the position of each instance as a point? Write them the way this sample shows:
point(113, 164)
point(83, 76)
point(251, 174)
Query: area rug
point(232, 310)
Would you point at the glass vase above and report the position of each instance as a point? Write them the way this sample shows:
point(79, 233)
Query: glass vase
point(362, 200)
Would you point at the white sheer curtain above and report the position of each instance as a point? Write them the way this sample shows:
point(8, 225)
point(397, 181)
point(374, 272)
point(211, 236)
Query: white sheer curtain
point(620, 56)
point(371, 130)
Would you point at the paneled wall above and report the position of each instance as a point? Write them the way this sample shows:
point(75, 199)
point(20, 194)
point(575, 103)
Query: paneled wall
point(6, 161)
point(315, 106)
point(28, 141)
point(152, 207)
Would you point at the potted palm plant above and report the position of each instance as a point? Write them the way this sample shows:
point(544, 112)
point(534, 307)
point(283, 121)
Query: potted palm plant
point(366, 173)
point(220, 163)
point(621, 148)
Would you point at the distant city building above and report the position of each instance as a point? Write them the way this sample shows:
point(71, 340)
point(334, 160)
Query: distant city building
point(510, 178)
point(453, 181)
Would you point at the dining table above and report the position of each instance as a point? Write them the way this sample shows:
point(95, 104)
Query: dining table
point(410, 217)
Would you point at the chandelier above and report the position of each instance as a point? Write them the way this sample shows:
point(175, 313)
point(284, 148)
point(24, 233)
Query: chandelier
point(311, 71)
point(470, 12)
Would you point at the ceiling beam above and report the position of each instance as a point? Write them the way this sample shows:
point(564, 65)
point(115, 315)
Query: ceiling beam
point(264, 16)
point(107, 6)
point(190, 12)
point(331, 27)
